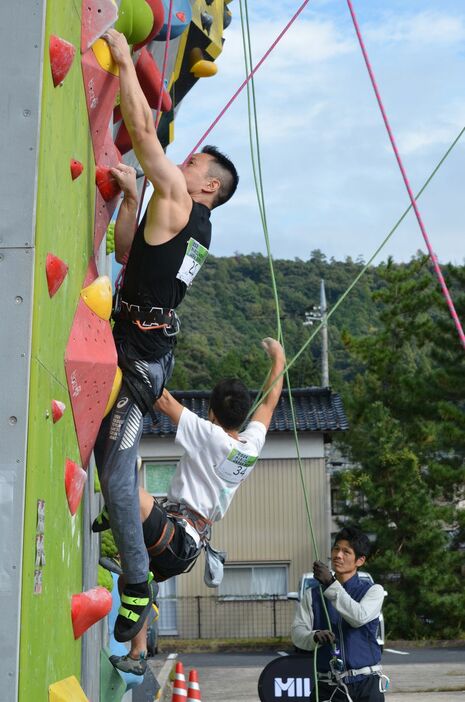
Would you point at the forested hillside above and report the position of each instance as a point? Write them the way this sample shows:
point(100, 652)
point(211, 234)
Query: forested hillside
point(231, 307)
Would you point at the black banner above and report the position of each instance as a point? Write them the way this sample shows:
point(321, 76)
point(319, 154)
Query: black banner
point(287, 678)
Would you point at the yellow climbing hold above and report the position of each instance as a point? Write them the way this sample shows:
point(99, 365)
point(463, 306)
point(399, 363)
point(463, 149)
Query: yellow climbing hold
point(117, 382)
point(97, 296)
point(199, 66)
point(67, 690)
point(105, 59)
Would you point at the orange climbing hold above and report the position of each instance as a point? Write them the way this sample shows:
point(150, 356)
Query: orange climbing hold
point(56, 271)
point(89, 607)
point(61, 57)
point(76, 168)
point(75, 479)
point(107, 185)
point(179, 684)
point(199, 66)
point(58, 409)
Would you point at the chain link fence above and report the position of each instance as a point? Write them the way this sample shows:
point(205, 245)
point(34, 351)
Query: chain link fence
point(204, 617)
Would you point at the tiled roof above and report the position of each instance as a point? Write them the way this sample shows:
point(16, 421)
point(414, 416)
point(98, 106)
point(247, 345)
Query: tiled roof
point(316, 410)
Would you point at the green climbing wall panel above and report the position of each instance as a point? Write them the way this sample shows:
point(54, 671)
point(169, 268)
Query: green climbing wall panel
point(64, 227)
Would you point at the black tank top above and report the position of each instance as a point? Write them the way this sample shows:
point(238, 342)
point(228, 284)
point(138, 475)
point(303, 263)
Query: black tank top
point(150, 281)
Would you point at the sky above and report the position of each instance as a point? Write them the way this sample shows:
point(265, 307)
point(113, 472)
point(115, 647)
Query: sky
point(331, 180)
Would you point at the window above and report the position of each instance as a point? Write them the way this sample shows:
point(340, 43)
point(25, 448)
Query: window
point(157, 477)
point(254, 581)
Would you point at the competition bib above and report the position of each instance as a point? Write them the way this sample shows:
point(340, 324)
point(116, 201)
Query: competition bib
point(192, 261)
point(236, 466)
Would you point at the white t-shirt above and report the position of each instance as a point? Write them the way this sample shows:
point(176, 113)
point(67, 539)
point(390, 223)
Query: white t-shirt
point(214, 464)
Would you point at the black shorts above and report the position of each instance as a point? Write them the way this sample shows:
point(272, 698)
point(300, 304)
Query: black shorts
point(179, 554)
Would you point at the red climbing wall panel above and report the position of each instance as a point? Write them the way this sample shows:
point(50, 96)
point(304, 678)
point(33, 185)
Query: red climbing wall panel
point(100, 88)
point(96, 17)
point(90, 365)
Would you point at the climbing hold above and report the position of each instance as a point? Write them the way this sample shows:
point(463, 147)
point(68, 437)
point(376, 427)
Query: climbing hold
point(101, 86)
point(179, 19)
point(75, 479)
point(150, 80)
point(67, 690)
point(90, 367)
point(76, 168)
point(227, 17)
point(96, 17)
point(207, 21)
point(179, 684)
point(107, 185)
point(116, 387)
point(193, 688)
point(56, 271)
point(89, 607)
point(135, 20)
point(104, 57)
point(98, 296)
point(58, 409)
point(199, 66)
point(158, 19)
point(209, 2)
point(61, 57)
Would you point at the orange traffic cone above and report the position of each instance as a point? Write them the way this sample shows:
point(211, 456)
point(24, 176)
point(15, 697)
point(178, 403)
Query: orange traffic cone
point(193, 689)
point(179, 684)
point(89, 607)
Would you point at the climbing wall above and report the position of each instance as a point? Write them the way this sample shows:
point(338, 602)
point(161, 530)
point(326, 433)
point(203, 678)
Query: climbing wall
point(58, 361)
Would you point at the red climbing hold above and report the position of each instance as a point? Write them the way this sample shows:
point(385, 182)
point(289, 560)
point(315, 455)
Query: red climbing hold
point(96, 17)
point(58, 409)
point(76, 168)
point(56, 271)
point(89, 607)
point(75, 479)
point(61, 57)
point(107, 185)
point(181, 16)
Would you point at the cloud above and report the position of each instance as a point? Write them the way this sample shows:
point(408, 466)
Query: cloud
point(425, 28)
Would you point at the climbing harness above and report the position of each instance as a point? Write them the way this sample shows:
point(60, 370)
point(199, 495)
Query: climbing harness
point(150, 318)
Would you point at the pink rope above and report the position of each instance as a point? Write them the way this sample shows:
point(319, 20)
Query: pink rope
point(433, 256)
point(246, 80)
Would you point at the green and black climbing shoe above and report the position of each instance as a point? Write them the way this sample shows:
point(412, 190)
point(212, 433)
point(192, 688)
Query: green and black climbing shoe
point(136, 603)
point(130, 665)
point(102, 521)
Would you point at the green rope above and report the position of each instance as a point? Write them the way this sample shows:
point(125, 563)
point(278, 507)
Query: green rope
point(257, 173)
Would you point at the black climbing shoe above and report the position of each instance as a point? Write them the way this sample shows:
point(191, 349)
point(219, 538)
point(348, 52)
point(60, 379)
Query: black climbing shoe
point(130, 665)
point(102, 521)
point(136, 603)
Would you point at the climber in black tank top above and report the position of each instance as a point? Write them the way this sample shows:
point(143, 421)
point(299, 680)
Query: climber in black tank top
point(158, 276)
point(162, 258)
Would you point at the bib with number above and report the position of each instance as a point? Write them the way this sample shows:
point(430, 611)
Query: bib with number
point(192, 262)
point(236, 466)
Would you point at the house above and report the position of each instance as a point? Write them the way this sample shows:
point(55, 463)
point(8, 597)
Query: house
point(266, 531)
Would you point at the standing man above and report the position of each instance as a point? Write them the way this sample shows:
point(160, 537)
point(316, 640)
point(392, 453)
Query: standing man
point(164, 256)
point(348, 655)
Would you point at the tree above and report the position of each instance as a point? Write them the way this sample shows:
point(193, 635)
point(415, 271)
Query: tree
point(404, 486)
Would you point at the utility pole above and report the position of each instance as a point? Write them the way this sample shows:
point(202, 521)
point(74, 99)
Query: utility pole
point(319, 314)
